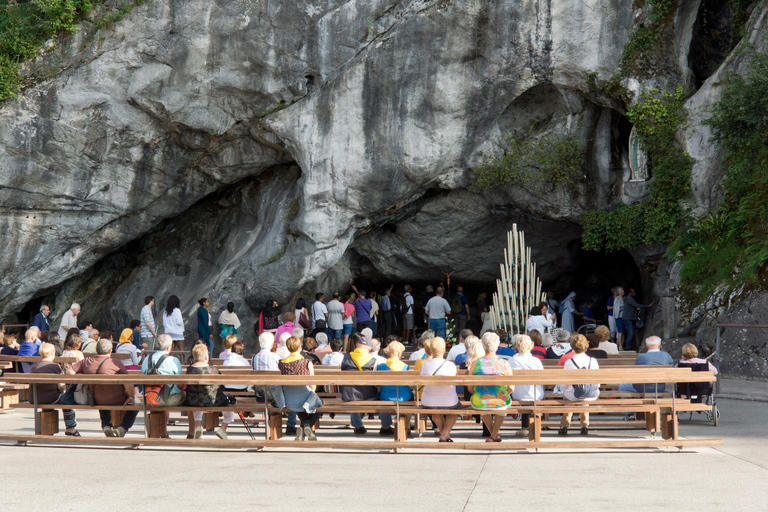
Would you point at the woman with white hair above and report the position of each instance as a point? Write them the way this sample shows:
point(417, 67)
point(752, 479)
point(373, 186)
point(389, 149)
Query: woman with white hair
point(524, 360)
point(282, 352)
point(491, 397)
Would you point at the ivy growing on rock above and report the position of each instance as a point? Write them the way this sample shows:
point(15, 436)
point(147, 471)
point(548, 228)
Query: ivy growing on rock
point(657, 117)
point(532, 163)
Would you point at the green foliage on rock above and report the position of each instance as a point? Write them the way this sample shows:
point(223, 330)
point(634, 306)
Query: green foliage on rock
point(531, 162)
point(732, 244)
point(645, 52)
point(657, 118)
point(25, 26)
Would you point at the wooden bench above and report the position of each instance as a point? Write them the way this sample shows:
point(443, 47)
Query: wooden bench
point(660, 412)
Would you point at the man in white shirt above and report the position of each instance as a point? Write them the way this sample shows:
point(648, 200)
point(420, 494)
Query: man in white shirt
point(407, 315)
point(335, 317)
point(319, 315)
point(438, 310)
point(148, 331)
point(335, 357)
point(69, 320)
point(460, 347)
point(419, 354)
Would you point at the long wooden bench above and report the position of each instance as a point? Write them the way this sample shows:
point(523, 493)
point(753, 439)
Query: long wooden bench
point(661, 412)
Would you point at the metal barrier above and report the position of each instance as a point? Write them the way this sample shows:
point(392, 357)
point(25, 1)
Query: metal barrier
point(720, 329)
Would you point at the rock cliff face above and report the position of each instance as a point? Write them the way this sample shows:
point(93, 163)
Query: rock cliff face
point(245, 150)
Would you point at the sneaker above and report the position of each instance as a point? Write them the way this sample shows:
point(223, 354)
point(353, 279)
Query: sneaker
point(198, 433)
point(563, 431)
point(290, 431)
point(630, 417)
point(360, 431)
point(389, 431)
point(522, 433)
point(109, 432)
point(584, 431)
point(221, 434)
point(119, 432)
point(308, 434)
point(299, 434)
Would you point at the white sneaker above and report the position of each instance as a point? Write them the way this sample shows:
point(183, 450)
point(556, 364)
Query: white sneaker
point(220, 433)
point(522, 433)
point(198, 433)
point(119, 431)
point(308, 434)
point(108, 432)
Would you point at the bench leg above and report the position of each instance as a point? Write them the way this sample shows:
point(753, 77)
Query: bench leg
point(117, 417)
point(9, 397)
point(275, 426)
point(317, 423)
point(669, 426)
point(24, 395)
point(210, 420)
point(403, 427)
point(49, 422)
point(157, 424)
point(652, 421)
point(534, 428)
point(422, 426)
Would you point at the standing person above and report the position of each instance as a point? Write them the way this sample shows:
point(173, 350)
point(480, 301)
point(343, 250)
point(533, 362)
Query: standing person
point(362, 310)
point(349, 311)
point(460, 308)
point(481, 307)
point(148, 331)
point(438, 310)
point(538, 321)
point(41, 319)
point(429, 292)
point(268, 321)
point(387, 315)
point(69, 320)
point(554, 306)
point(629, 315)
point(611, 319)
point(229, 323)
point(108, 394)
point(319, 314)
point(302, 315)
point(374, 312)
point(406, 309)
point(204, 323)
point(618, 309)
point(587, 315)
point(288, 325)
point(335, 317)
point(567, 307)
point(173, 322)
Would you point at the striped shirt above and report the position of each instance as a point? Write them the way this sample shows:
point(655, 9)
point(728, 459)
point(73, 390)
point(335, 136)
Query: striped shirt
point(265, 360)
point(146, 317)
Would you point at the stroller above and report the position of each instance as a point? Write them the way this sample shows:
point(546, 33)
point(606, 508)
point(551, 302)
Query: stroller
point(698, 392)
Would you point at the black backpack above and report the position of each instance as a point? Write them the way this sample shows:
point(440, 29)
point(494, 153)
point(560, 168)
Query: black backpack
point(585, 390)
point(403, 306)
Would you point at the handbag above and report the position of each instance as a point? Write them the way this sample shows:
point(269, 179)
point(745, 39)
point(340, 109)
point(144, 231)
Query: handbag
point(84, 393)
point(304, 321)
point(639, 324)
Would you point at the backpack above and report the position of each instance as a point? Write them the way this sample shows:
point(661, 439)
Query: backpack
point(403, 306)
point(456, 305)
point(585, 390)
point(156, 395)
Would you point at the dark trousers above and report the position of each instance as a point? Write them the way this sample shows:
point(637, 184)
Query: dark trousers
point(388, 321)
point(362, 325)
point(629, 328)
point(308, 419)
point(127, 423)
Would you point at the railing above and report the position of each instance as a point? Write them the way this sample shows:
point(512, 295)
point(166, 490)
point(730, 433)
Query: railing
point(720, 330)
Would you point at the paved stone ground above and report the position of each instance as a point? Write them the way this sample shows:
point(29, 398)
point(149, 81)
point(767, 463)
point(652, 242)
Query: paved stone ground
point(733, 476)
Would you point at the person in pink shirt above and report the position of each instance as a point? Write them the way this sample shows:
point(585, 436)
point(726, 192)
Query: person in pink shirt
point(287, 326)
point(349, 310)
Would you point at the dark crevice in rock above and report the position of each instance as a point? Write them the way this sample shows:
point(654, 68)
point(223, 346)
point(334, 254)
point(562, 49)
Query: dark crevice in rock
point(716, 32)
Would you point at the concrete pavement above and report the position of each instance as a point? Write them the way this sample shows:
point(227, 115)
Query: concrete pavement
point(101, 478)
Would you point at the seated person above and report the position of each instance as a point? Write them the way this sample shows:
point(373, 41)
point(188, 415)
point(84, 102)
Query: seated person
point(587, 314)
point(323, 348)
point(603, 334)
point(201, 395)
point(236, 359)
point(228, 342)
point(126, 346)
point(561, 347)
point(50, 393)
point(360, 359)
point(29, 348)
point(265, 359)
point(440, 397)
point(108, 394)
point(594, 342)
point(538, 351)
point(565, 357)
point(309, 345)
point(655, 356)
point(335, 357)
point(394, 364)
point(491, 397)
point(164, 364)
point(525, 360)
point(579, 393)
point(421, 353)
point(690, 355)
point(503, 350)
point(299, 399)
point(11, 348)
point(376, 350)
